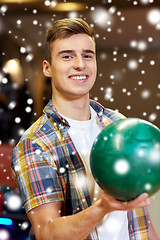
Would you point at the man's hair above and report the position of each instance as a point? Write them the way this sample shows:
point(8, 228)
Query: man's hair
point(65, 28)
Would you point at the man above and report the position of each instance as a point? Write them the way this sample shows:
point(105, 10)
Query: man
point(51, 161)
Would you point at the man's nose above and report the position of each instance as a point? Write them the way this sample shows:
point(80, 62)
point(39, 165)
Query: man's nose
point(79, 63)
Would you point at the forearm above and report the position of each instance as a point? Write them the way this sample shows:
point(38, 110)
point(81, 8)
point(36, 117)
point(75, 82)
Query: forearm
point(49, 225)
point(75, 227)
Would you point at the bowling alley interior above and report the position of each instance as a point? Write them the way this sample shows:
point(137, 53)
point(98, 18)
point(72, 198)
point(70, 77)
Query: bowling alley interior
point(127, 34)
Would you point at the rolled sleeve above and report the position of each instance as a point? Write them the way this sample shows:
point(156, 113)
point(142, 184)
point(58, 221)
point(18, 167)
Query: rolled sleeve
point(36, 175)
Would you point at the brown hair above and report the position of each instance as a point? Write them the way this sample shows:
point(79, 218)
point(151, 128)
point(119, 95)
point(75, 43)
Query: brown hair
point(65, 28)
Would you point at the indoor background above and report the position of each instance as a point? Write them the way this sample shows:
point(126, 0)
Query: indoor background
point(128, 79)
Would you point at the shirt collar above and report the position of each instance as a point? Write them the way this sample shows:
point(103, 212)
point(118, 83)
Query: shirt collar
point(52, 112)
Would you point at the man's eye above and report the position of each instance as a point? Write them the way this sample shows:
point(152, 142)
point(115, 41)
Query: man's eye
point(67, 57)
point(88, 56)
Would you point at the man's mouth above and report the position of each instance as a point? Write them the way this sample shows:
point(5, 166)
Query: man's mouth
point(84, 77)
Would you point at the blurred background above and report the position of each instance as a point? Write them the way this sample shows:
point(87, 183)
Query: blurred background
point(128, 79)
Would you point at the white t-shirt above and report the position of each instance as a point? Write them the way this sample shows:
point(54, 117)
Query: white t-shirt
point(114, 225)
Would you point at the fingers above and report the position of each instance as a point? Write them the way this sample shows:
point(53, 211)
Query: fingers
point(141, 201)
point(112, 204)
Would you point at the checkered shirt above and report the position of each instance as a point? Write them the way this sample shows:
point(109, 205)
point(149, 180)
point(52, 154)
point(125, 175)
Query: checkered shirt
point(46, 166)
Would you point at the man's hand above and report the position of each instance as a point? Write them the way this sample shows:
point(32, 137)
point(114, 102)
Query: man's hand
point(48, 224)
point(111, 204)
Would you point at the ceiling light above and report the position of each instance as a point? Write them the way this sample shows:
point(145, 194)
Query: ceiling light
point(19, 1)
point(70, 6)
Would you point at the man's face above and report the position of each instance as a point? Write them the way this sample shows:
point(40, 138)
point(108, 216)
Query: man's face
point(73, 66)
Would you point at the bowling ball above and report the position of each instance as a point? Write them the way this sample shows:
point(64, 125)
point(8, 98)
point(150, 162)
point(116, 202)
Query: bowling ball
point(125, 158)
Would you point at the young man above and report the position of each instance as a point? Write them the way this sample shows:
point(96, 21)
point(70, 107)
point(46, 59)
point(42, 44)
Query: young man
point(51, 161)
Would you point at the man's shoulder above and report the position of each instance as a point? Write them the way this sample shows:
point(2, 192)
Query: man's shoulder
point(113, 114)
point(41, 131)
point(34, 129)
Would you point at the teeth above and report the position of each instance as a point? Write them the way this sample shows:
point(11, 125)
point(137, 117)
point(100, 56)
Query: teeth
point(79, 77)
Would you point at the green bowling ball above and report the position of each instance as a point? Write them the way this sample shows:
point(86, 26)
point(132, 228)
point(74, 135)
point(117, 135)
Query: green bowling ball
point(125, 158)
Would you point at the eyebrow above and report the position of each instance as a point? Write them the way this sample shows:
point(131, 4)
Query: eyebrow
point(73, 51)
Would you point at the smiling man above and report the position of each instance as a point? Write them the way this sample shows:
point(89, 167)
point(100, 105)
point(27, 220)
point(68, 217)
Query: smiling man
point(51, 161)
point(73, 73)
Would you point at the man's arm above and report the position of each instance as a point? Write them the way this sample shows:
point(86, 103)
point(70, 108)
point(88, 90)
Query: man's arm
point(48, 224)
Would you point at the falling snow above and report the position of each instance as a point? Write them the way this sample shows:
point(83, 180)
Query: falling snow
point(121, 167)
point(128, 57)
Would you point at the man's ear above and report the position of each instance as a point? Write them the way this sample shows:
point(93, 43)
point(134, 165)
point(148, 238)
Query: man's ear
point(46, 68)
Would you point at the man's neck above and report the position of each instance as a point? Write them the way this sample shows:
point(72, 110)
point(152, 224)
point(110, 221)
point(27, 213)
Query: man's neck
point(77, 109)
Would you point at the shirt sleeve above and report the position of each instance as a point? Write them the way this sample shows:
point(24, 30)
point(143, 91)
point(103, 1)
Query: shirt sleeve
point(36, 175)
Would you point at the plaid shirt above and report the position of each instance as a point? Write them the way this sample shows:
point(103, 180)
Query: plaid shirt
point(47, 166)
